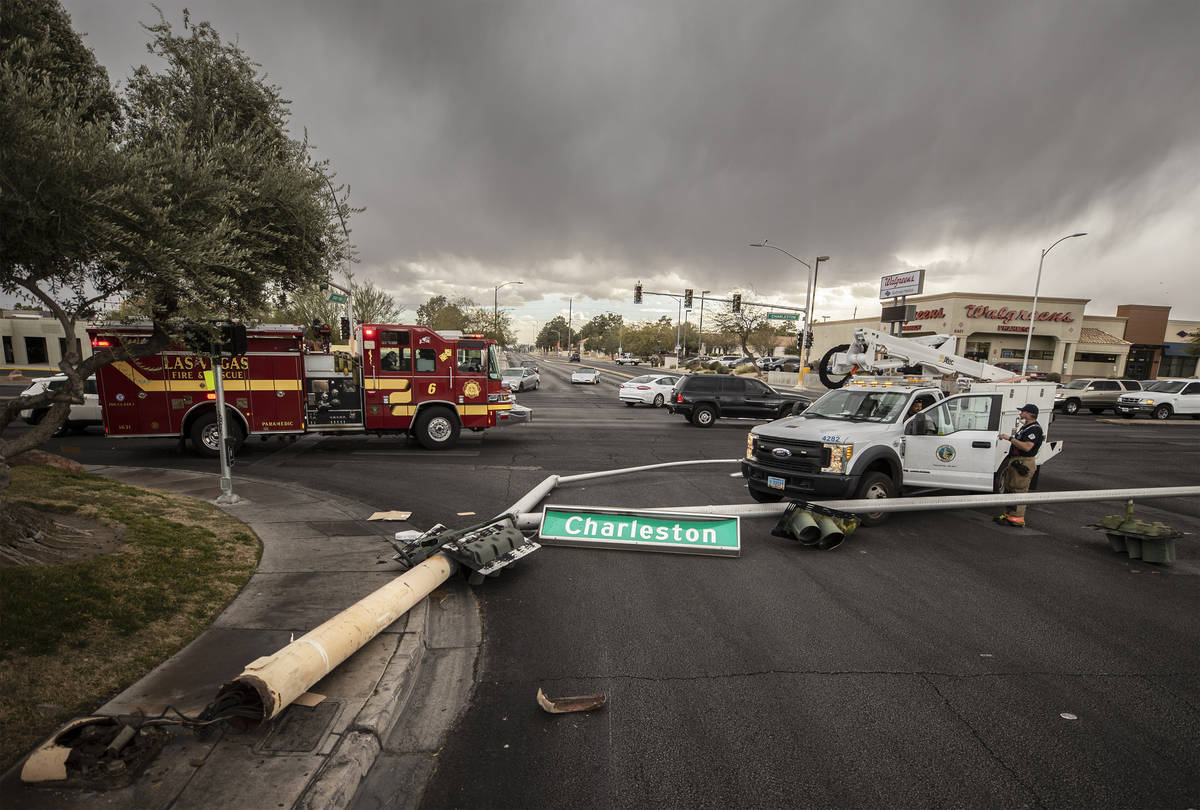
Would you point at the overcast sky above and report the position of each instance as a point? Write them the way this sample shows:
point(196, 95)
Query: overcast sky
point(581, 146)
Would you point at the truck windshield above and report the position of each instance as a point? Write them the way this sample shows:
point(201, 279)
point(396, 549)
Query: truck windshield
point(860, 406)
point(1166, 387)
point(493, 367)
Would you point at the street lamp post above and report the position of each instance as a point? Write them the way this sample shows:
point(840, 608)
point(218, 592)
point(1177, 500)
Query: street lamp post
point(1037, 285)
point(570, 318)
point(496, 306)
point(703, 293)
point(810, 296)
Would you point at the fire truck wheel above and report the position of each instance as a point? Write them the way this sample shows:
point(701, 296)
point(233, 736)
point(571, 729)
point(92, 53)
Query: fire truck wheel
point(436, 429)
point(206, 437)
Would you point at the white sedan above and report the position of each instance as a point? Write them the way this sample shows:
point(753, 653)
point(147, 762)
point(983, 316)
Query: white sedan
point(649, 389)
point(586, 375)
point(79, 417)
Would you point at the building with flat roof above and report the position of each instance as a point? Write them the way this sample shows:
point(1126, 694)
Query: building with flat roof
point(1141, 342)
point(33, 339)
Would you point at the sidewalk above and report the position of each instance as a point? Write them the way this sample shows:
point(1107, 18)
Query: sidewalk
point(320, 555)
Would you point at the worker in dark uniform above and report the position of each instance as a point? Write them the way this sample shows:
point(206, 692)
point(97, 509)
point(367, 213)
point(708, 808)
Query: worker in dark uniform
point(1024, 446)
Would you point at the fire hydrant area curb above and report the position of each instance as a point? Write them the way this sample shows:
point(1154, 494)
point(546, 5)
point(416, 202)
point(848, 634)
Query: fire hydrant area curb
point(320, 555)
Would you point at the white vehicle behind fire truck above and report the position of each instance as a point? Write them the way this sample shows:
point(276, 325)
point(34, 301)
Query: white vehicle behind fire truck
point(865, 439)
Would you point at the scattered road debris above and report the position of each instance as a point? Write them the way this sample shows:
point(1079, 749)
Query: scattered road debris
point(575, 703)
point(396, 514)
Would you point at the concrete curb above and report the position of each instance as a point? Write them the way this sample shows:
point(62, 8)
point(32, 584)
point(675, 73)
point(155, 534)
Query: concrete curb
point(337, 781)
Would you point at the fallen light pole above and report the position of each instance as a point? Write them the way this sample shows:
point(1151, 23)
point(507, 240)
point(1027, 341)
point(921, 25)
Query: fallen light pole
point(269, 684)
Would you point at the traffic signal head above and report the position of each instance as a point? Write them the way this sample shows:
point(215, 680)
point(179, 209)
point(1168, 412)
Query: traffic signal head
point(345, 328)
point(737, 302)
point(637, 293)
point(808, 340)
point(687, 299)
point(233, 338)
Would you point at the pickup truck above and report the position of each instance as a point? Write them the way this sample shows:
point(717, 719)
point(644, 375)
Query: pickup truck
point(627, 359)
point(1162, 399)
point(867, 440)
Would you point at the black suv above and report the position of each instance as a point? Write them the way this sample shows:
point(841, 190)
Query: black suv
point(703, 398)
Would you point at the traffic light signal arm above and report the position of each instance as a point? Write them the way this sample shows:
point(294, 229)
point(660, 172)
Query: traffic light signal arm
point(710, 299)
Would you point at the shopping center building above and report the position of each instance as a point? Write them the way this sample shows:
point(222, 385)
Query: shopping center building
point(1139, 341)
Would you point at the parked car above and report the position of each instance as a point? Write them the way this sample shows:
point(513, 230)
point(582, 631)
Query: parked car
point(734, 360)
point(648, 389)
point(704, 398)
point(1031, 371)
point(520, 378)
point(777, 363)
point(586, 375)
point(574, 358)
point(1162, 399)
point(627, 359)
point(1095, 395)
point(80, 417)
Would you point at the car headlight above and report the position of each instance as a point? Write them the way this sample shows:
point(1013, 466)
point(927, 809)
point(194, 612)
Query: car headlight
point(750, 446)
point(839, 457)
point(1147, 402)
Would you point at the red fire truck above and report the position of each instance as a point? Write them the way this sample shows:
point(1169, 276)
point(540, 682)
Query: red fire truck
point(401, 380)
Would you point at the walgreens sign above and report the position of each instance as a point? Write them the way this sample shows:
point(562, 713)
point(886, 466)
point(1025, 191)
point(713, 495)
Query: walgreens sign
point(898, 284)
point(1009, 315)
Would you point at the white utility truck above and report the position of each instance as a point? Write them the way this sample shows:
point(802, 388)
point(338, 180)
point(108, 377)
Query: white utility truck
point(867, 439)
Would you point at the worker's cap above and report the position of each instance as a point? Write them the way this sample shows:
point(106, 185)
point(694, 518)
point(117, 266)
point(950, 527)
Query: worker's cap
point(1029, 407)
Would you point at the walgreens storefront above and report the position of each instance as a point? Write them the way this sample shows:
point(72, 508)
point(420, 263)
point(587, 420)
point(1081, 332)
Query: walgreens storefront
point(993, 329)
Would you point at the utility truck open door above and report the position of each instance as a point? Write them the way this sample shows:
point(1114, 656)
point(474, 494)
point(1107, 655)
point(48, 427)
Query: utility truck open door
point(954, 444)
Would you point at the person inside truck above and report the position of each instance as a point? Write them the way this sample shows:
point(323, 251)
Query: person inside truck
point(916, 408)
point(390, 361)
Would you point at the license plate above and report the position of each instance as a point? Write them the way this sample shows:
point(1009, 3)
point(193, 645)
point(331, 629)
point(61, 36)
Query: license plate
point(776, 483)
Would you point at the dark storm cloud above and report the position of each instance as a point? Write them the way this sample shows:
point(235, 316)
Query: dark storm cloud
point(655, 140)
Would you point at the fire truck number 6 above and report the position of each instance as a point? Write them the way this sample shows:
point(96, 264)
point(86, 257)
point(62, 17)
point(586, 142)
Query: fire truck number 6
point(403, 379)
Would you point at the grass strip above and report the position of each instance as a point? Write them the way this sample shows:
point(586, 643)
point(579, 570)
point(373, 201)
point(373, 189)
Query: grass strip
point(75, 634)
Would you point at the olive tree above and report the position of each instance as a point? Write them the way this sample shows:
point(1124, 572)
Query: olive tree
point(184, 193)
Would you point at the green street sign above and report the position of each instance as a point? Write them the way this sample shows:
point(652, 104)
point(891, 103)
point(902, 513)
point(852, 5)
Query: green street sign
point(783, 316)
point(640, 530)
point(336, 298)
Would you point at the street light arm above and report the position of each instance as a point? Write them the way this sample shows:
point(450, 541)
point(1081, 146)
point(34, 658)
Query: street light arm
point(496, 306)
point(1068, 236)
point(781, 250)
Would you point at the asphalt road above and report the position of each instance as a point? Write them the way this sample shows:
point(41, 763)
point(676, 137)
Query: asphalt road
point(939, 660)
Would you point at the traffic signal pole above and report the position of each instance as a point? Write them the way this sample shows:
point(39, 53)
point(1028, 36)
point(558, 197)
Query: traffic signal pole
point(226, 481)
point(349, 310)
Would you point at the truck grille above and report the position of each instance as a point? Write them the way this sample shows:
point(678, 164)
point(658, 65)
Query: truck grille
point(802, 456)
point(1128, 399)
